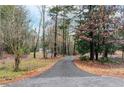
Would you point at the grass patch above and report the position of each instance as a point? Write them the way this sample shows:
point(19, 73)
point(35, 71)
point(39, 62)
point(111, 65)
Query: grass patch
point(7, 73)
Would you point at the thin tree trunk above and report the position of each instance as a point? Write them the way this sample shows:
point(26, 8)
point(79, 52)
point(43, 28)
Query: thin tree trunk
point(64, 37)
point(63, 42)
point(106, 51)
point(74, 47)
point(91, 35)
point(34, 53)
point(91, 47)
point(96, 53)
point(37, 41)
point(17, 62)
point(44, 47)
point(55, 44)
point(68, 45)
point(122, 55)
point(1, 53)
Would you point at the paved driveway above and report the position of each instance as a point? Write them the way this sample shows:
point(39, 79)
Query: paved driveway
point(65, 74)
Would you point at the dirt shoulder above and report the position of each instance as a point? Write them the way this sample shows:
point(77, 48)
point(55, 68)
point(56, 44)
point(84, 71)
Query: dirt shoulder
point(101, 69)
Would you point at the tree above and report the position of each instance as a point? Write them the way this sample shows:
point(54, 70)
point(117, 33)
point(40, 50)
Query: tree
point(98, 29)
point(43, 26)
point(64, 26)
point(14, 26)
point(54, 12)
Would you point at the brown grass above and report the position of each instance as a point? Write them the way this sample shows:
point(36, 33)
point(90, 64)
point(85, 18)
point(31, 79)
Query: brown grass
point(101, 69)
point(28, 68)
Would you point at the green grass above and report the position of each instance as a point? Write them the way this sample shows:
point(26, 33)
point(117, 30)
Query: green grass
point(6, 70)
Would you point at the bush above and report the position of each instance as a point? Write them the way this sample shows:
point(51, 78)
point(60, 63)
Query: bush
point(107, 60)
point(103, 60)
point(84, 58)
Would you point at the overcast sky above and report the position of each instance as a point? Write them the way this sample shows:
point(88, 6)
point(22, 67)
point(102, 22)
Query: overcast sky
point(34, 15)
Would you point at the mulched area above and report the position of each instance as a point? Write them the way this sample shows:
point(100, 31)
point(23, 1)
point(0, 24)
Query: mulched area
point(97, 68)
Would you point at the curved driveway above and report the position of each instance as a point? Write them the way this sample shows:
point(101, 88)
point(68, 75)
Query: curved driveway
point(65, 74)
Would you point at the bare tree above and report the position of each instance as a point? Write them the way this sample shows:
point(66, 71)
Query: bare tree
point(14, 28)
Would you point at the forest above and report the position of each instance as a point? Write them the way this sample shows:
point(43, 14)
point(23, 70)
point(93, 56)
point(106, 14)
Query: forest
point(92, 33)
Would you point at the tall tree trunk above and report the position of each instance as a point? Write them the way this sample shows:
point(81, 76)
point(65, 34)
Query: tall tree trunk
point(91, 47)
point(106, 51)
point(63, 42)
point(64, 36)
point(1, 53)
point(34, 53)
point(55, 44)
point(74, 47)
point(96, 53)
point(68, 45)
point(17, 62)
point(37, 41)
point(97, 46)
point(122, 55)
point(43, 18)
point(91, 35)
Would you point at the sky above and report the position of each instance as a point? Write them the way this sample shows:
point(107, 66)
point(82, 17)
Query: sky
point(34, 15)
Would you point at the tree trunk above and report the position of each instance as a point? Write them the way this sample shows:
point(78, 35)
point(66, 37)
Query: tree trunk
point(43, 18)
point(1, 54)
point(63, 42)
point(91, 47)
point(17, 62)
point(68, 48)
point(122, 55)
point(55, 44)
point(106, 52)
point(96, 53)
point(34, 53)
point(64, 37)
point(74, 47)
point(91, 35)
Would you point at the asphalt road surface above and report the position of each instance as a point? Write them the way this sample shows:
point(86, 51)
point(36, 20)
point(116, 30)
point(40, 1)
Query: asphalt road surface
point(65, 74)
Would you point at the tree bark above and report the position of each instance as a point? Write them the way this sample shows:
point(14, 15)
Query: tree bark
point(91, 36)
point(91, 47)
point(96, 53)
point(122, 55)
point(74, 47)
point(43, 14)
point(63, 42)
point(106, 51)
point(55, 44)
point(34, 53)
point(64, 37)
point(17, 62)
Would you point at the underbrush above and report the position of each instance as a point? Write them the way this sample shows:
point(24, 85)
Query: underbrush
point(104, 60)
point(84, 58)
point(101, 60)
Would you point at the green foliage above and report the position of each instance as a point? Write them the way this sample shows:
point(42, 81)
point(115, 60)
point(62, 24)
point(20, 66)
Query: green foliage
point(54, 10)
point(104, 60)
point(107, 60)
point(111, 48)
point(82, 47)
point(26, 50)
point(84, 58)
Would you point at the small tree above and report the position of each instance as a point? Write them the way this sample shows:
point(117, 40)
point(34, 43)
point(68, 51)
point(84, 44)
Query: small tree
point(15, 28)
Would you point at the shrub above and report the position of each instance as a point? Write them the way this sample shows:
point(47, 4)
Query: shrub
point(107, 60)
point(84, 58)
